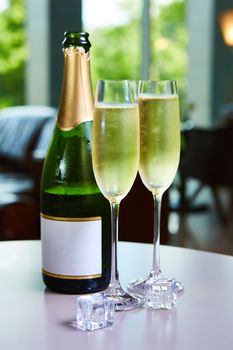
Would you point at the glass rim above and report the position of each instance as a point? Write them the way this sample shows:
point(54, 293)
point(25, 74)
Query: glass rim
point(158, 81)
point(116, 80)
point(165, 81)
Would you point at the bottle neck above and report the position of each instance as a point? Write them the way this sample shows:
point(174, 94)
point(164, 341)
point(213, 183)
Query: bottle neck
point(77, 102)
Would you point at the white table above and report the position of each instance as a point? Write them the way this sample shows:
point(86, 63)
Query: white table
point(32, 318)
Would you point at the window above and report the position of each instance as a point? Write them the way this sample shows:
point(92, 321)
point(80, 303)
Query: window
point(116, 28)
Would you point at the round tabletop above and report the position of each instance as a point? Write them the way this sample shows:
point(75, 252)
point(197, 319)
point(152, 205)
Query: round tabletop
point(32, 317)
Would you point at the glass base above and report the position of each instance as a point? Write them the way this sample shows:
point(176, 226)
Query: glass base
point(139, 287)
point(123, 301)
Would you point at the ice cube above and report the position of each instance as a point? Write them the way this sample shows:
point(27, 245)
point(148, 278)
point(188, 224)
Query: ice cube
point(161, 294)
point(95, 311)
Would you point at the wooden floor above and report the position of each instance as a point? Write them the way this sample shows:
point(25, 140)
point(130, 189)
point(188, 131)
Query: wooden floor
point(202, 230)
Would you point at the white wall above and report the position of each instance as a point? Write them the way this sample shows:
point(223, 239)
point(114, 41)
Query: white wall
point(37, 70)
point(200, 45)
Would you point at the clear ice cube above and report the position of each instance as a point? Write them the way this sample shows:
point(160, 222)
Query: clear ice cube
point(95, 311)
point(161, 294)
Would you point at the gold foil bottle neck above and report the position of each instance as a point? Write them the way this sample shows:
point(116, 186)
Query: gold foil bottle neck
point(77, 103)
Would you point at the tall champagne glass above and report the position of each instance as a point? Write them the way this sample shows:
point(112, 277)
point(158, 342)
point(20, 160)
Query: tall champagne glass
point(115, 161)
point(159, 158)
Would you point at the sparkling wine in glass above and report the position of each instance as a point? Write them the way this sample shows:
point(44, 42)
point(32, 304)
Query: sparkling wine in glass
point(159, 158)
point(115, 162)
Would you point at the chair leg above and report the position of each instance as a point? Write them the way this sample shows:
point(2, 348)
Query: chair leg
point(231, 202)
point(196, 192)
point(222, 215)
point(182, 194)
point(187, 201)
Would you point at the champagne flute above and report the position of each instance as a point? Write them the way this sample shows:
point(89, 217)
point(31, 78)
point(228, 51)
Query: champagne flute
point(115, 162)
point(159, 158)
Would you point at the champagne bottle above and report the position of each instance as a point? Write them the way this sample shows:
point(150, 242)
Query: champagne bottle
point(75, 217)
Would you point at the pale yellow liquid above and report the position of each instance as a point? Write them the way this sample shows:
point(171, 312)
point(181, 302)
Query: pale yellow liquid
point(115, 148)
point(159, 141)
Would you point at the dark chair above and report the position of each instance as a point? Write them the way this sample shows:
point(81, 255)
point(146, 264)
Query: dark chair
point(208, 158)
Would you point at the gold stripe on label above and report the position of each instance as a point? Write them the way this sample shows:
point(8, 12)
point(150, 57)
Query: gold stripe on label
point(64, 277)
point(58, 218)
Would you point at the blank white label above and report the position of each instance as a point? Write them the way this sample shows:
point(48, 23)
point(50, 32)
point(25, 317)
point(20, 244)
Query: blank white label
point(72, 248)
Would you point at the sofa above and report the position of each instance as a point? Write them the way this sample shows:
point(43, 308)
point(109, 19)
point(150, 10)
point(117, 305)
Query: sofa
point(24, 136)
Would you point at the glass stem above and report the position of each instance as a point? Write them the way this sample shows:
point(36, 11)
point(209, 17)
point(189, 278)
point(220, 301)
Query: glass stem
point(156, 246)
point(114, 225)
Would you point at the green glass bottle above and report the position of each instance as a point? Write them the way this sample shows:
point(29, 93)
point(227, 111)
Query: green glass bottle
point(75, 217)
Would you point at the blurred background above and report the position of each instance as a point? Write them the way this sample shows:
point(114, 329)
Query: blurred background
point(187, 40)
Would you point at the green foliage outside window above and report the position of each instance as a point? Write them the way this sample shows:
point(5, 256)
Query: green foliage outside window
point(115, 53)
point(13, 54)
